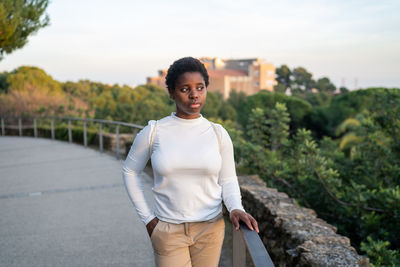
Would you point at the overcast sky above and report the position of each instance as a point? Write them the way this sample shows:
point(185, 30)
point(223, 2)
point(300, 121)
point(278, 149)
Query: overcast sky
point(124, 41)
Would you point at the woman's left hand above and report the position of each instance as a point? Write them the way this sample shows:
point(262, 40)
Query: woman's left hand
point(239, 215)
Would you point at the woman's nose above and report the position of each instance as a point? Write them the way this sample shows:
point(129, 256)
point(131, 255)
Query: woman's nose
point(194, 94)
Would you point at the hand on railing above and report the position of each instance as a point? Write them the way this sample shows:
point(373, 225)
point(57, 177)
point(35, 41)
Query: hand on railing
point(238, 215)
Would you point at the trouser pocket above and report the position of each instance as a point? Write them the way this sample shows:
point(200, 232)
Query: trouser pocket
point(155, 229)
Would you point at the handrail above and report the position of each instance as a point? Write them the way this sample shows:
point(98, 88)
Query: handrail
point(250, 239)
point(80, 119)
point(241, 239)
point(84, 121)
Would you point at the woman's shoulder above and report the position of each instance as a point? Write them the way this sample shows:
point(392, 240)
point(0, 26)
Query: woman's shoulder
point(161, 121)
point(221, 131)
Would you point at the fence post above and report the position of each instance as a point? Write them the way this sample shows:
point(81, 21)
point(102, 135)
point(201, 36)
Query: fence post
point(20, 126)
point(135, 130)
point(35, 128)
point(3, 128)
point(101, 137)
point(53, 136)
point(69, 132)
point(238, 249)
point(117, 141)
point(84, 134)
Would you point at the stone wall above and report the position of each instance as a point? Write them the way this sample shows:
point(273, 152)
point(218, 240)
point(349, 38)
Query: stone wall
point(295, 236)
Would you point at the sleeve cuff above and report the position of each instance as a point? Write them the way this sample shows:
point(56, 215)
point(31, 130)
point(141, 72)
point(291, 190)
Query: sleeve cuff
point(148, 219)
point(237, 208)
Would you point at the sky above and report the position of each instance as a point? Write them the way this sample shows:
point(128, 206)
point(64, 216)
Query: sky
point(354, 43)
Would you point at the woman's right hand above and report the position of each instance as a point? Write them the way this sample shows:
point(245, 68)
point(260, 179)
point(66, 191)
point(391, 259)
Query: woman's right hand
point(151, 225)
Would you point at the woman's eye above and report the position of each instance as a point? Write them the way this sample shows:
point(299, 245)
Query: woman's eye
point(200, 88)
point(185, 89)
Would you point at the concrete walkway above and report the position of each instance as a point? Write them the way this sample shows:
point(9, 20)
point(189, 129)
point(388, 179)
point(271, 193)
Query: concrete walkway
point(65, 205)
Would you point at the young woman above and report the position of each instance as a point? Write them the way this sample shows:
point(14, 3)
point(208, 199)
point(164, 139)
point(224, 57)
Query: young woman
point(194, 171)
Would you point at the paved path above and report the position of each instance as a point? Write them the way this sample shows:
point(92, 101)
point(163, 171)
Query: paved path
point(65, 205)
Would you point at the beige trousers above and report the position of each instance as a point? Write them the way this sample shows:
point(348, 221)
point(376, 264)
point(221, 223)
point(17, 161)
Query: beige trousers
point(195, 244)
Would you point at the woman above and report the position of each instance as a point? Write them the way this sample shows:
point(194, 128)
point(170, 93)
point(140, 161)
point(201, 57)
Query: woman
point(194, 172)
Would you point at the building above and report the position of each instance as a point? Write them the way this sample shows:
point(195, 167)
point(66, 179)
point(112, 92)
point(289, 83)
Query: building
point(158, 80)
point(226, 75)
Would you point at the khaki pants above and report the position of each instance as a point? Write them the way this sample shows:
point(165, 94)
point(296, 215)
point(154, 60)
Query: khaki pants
point(195, 244)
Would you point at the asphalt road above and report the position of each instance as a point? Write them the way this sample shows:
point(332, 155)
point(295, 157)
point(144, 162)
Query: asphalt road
point(65, 205)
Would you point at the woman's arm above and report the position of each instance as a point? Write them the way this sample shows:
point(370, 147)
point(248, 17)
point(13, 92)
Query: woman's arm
point(134, 164)
point(227, 175)
point(230, 186)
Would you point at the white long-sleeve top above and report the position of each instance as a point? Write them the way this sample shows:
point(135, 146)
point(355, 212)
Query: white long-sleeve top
point(191, 175)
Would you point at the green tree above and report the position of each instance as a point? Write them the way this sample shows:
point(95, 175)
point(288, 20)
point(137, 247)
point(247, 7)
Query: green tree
point(28, 90)
point(318, 99)
point(325, 85)
point(284, 76)
point(302, 80)
point(380, 254)
point(324, 120)
point(280, 88)
point(227, 112)
point(18, 20)
point(27, 77)
point(344, 90)
point(213, 105)
point(297, 108)
point(236, 99)
point(278, 126)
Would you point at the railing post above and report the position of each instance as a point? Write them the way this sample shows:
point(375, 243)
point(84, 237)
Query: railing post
point(69, 132)
point(238, 249)
point(35, 128)
point(53, 136)
point(3, 128)
point(117, 140)
point(84, 134)
point(135, 131)
point(101, 137)
point(20, 126)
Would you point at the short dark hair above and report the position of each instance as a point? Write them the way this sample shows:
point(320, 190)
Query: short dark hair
point(180, 66)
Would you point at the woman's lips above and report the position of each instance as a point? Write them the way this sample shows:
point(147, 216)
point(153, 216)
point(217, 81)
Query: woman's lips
point(195, 105)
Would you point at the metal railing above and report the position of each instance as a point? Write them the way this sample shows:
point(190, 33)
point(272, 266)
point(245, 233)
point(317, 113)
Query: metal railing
point(245, 238)
point(84, 121)
point(242, 239)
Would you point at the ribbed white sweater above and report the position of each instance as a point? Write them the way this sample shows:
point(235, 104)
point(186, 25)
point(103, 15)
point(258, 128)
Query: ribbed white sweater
point(191, 175)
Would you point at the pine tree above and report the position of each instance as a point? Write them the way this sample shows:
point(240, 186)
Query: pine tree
point(18, 20)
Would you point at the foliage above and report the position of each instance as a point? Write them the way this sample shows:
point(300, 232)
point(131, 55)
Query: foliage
point(26, 77)
point(318, 99)
point(325, 85)
point(284, 76)
point(324, 120)
point(28, 91)
point(302, 80)
point(18, 20)
point(358, 191)
point(300, 83)
point(139, 105)
point(213, 105)
point(379, 253)
point(297, 108)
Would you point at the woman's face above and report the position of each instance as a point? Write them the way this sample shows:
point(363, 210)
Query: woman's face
point(189, 95)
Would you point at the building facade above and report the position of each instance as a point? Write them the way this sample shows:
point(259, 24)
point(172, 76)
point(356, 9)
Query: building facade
point(226, 75)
